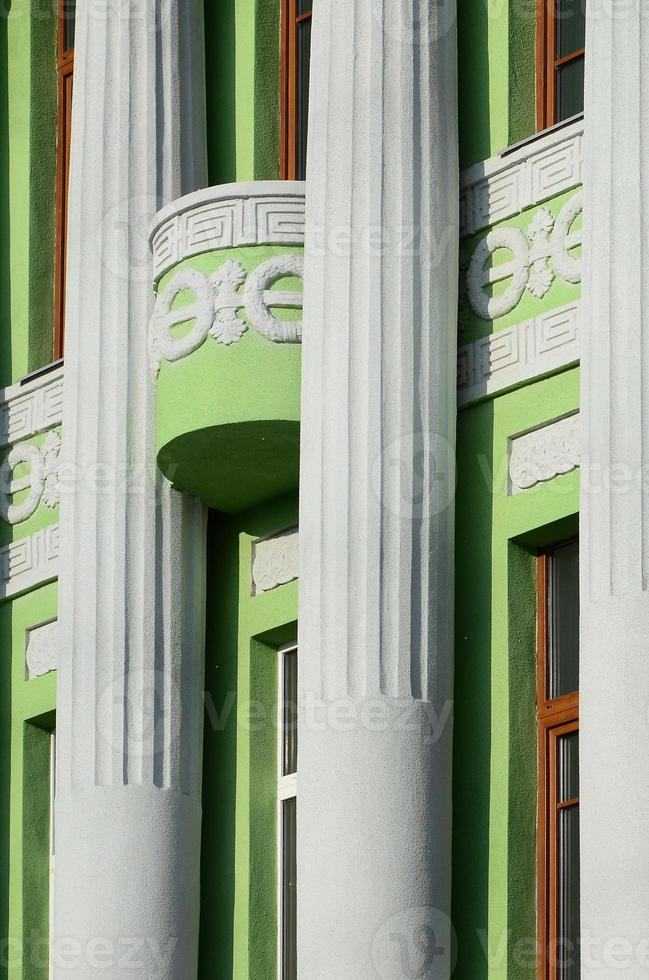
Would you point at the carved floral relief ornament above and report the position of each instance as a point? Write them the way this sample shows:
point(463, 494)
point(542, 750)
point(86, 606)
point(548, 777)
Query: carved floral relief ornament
point(217, 298)
point(41, 482)
point(537, 258)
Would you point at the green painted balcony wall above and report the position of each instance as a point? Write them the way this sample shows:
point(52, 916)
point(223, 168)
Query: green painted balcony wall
point(228, 404)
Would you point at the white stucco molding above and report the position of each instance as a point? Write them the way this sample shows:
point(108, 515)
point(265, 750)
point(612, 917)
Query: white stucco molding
point(505, 185)
point(539, 255)
point(42, 652)
point(275, 561)
point(507, 358)
point(31, 406)
point(228, 216)
point(30, 562)
point(544, 453)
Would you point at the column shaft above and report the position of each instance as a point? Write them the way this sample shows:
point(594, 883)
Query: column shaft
point(129, 717)
point(376, 489)
point(614, 682)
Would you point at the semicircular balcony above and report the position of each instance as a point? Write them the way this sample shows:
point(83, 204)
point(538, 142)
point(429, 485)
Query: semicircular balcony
point(225, 341)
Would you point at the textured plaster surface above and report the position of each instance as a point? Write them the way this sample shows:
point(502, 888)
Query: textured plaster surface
point(614, 682)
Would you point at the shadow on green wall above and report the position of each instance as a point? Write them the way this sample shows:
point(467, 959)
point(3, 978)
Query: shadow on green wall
point(472, 697)
point(5, 783)
point(5, 283)
point(5, 608)
point(42, 182)
point(220, 51)
point(220, 751)
point(35, 845)
point(473, 75)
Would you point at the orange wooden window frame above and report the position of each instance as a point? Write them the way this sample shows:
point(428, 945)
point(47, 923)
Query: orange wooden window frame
point(290, 121)
point(547, 63)
point(65, 72)
point(556, 717)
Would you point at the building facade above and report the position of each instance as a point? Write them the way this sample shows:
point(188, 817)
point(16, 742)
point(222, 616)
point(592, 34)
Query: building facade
point(323, 536)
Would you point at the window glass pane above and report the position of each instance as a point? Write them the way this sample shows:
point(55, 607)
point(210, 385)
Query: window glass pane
point(568, 760)
point(304, 62)
point(289, 890)
point(568, 948)
point(289, 714)
point(68, 8)
point(570, 89)
point(304, 7)
point(571, 26)
point(563, 626)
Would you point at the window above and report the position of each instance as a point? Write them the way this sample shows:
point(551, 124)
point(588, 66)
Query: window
point(65, 69)
point(287, 813)
point(296, 57)
point(561, 31)
point(558, 724)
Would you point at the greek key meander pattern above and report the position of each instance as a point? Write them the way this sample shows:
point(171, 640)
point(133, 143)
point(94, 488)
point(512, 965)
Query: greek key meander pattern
point(25, 411)
point(30, 562)
point(217, 299)
point(228, 223)
point(517, 354)
point(537, 258)
point(544, 454)
point(499, 188)
point(275, 561)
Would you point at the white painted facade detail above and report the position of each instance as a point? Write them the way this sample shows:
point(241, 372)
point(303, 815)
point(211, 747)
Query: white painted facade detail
point(30, 562)
point(519, 354)
point(614, 507)
point(132, 577)
point(31, 407)
point(275, 561)
point(229, 216)
point(544, 453)
point(511, 182)
point(376, 534)
point(539, 254)
point(42, 652)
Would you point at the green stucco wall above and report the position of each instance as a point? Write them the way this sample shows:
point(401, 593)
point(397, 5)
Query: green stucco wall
point(27, 160)
point(238, 917)
point(26, 717)
point(243, 48)
point(496, 71)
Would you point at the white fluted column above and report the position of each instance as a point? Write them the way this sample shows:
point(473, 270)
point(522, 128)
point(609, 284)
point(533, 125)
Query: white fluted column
point(376, 491)
point(614, 682)
point(133, 551)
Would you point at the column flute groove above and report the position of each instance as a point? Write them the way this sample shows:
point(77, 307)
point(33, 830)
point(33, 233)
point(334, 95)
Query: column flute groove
point(377, 487)
point(129, 714)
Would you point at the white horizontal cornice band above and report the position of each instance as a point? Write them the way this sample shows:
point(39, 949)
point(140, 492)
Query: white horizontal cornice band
point(228, 216)
point(507, 184)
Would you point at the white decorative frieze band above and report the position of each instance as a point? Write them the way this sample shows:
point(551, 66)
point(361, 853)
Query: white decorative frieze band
point(217, 298)
point(42, 654)
point(31, 407)
point(543, 454)
point(229, 216)
point(42, 481)
point(510, 357)
point(30, 562)
point(275, 561)
point(538, 256)
point(505, 185)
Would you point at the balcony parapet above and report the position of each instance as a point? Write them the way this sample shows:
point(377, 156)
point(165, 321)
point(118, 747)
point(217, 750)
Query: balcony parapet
point(224, 341)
